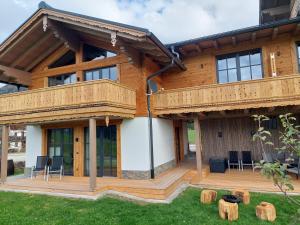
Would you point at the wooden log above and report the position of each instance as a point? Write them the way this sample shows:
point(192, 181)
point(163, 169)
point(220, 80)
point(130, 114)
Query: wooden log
point(244, 195)
point(229, 211)
point(266, 211)
point(208, 196)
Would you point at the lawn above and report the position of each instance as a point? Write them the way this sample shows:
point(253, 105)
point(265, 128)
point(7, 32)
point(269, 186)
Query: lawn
point(191, 136)
point(16, 208)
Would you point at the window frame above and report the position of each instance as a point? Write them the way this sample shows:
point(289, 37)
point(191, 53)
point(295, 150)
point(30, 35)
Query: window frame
point(101, 68)
point(62, 75)
point(297, 43)
point(237, 55)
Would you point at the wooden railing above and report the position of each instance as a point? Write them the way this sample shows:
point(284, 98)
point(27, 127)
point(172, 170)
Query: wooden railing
point(92, 98)
point(267, 92)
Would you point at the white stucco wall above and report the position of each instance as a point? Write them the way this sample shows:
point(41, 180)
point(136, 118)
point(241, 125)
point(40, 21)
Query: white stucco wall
point(163, 141)
point(135, 143)
point(33, 145)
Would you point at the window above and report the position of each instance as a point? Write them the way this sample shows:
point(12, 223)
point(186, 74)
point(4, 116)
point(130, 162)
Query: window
point(6, 88)
point(62, 79)
point(67, 59)
point(270, 124)
point(240, 66)
point(91, 53)
point(153, 86)
point(298, 54)
point(102, 73)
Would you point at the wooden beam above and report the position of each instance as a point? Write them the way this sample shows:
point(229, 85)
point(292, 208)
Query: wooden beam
point(216, 44)
point(182, 51)
point(275, 33)
point(253, 37)
point(271, 109)
point(223, 113)
point(197, 47)
point(295, 9)
point(4, 152)
point(13, 75)
point(297, 29)
point(233, 39)
point(132, 54)
point(29, 50)
point(43, 56)
point(198, 142)
point(93, 153)
point(69, 37)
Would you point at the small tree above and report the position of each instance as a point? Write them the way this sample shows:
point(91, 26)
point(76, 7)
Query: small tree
point(290, 142)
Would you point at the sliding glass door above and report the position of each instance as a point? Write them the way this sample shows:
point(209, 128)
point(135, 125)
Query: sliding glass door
point(60, 143)
point(106, 151)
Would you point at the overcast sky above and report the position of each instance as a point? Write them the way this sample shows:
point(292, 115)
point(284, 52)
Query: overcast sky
point(169, 20)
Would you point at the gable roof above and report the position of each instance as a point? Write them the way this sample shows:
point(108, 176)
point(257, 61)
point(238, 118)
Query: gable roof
point(31, 41)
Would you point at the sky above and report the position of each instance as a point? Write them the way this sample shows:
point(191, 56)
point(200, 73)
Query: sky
point(170, 20)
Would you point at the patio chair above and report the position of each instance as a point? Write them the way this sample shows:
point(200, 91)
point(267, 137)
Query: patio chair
point(295, 169)
point(40, 167)
point(247, 160)
point(56, 167)
point(233, 160)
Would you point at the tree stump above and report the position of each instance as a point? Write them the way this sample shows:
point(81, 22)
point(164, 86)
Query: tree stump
point(229, 211)
point(243, 195)
point(266, 211)
point(208, 196)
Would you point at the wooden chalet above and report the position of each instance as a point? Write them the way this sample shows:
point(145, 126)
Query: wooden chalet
point(116, 103)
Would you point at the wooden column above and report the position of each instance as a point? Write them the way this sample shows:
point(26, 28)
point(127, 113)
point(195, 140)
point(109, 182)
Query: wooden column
point(93, 154)
point(4, 152)
point(198, 143)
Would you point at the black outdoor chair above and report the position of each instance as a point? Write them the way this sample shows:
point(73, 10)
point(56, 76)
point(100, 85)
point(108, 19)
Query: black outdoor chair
point(56, 167)
point(247, 160)
point(233, 160)
point(295, 169)
point(40, 167)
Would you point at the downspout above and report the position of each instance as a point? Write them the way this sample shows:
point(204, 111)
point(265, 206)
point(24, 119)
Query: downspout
point(149, 93)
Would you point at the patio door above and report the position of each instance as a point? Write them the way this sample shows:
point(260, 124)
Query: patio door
point(106, 151)
point(60, 143)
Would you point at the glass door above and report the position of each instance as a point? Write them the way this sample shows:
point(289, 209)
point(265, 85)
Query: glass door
point(106, 151)
point(60, 143)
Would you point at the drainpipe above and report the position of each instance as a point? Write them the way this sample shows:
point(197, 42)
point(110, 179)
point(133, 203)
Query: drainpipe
point(149, 93)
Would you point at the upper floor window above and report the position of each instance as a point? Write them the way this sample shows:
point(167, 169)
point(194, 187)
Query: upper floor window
point(68, 58)
point(91, 53)
point(6, 88)
point(240, 66)
point(62, 79)
point(102, 73)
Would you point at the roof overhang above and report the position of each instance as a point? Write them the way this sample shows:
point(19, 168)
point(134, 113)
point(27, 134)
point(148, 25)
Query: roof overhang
point(48, 29)
point(252, 34)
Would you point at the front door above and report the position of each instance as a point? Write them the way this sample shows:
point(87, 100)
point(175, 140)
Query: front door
point(106, 151)
point(60, 143)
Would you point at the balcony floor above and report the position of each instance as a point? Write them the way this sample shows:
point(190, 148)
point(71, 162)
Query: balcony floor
point(163, 189)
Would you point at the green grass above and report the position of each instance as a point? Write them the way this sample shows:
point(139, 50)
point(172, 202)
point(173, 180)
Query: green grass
point(18, 171)
point(191, 136)
point(16, 208)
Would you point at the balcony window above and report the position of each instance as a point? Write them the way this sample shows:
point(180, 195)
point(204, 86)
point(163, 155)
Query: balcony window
point(62, 79)
point(240, 66)
point(102, 73)
point(6, 88)
point(67, 59)
point(298, 55)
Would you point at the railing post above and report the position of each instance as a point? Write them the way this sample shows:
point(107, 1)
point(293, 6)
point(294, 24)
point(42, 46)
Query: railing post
point(93, 153)
point(4, 153)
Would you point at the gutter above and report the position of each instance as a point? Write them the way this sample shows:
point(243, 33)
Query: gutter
point(150, 125)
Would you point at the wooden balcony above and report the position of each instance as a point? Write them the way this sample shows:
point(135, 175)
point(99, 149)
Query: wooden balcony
point(66, 102)
point(268, 92)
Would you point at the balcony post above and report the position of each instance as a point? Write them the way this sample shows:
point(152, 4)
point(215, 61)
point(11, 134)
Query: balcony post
point(198, 142)
point(4, 153)
point(93, 153)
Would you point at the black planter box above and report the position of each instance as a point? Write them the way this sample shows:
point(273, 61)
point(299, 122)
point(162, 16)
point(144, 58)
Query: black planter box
point(217, 165)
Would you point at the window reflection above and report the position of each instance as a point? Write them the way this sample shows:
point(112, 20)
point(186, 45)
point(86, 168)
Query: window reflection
point(6, 88)
point(240, 66)
point(62, 79)
point(102, 73)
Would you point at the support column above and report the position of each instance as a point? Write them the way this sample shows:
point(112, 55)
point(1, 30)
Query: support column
point(198, 143)
point(4, 153)
point(93, 153)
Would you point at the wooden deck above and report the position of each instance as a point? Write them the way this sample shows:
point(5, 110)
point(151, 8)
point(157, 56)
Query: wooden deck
point(162, 189)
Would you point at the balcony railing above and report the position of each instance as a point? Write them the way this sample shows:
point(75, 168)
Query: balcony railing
point(80, 100)
point(268, 92)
